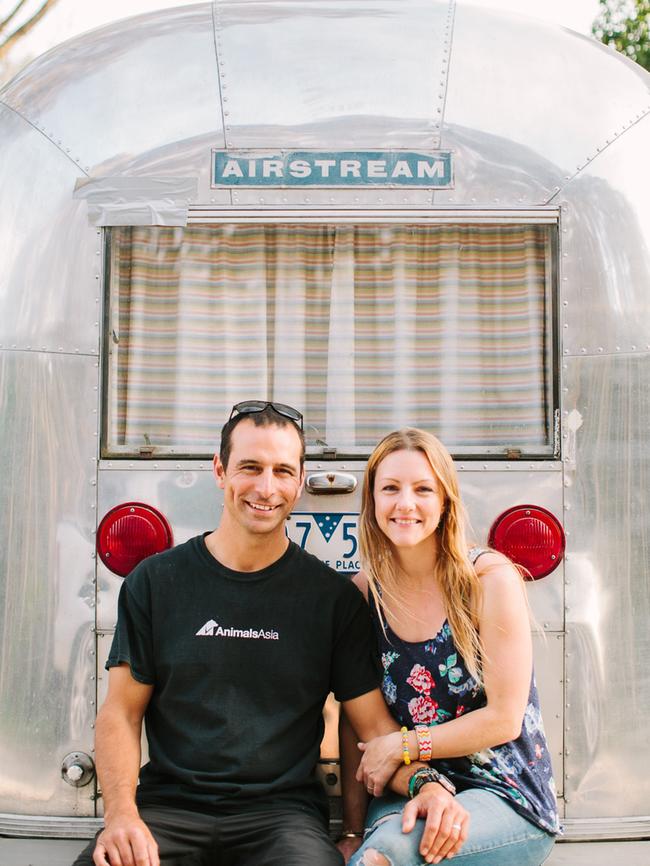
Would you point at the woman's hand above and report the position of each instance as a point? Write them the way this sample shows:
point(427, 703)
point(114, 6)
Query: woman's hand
point(446, 822)
point(381, 757)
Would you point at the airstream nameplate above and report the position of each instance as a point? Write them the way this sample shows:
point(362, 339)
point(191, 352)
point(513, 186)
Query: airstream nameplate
point(332, 537)
point(300, 168)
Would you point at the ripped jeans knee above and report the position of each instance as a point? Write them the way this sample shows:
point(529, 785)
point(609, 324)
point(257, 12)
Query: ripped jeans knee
point(385, 844)
point(372, 857)
point(498, 836)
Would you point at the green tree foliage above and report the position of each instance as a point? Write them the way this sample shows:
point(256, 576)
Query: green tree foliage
point(625, 24)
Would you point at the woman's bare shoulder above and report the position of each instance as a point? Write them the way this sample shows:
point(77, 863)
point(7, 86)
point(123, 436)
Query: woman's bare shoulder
point(488, 558)
point(504, 594)
point(495, 569)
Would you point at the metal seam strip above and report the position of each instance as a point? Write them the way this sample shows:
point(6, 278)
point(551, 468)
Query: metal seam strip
point(447, 42)
point(606, 353)
point(219, 62)
point(48, 135)
point(599, 149)
point(44, 350)
point(449, 37)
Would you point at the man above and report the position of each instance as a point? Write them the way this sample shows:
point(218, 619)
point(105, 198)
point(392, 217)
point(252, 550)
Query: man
point(227, 646)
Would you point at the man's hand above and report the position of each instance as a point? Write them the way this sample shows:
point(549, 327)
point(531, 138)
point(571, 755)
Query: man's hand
point(446, 822)
point(126, 841)
point(381, 758)
point(347, 845)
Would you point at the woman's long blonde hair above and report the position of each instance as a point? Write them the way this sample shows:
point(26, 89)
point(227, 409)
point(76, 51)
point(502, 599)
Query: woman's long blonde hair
point(455, 574)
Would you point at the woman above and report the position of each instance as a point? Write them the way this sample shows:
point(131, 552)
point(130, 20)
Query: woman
point(454, 635)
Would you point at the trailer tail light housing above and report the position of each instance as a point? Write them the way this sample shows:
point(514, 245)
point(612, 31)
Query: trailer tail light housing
point(129, 533)
point(531, 537)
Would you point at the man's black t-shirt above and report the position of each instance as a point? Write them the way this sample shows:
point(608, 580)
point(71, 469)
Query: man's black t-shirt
point(241, 664)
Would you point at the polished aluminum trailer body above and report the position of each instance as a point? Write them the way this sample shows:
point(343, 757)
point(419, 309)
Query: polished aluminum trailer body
point(117, 128)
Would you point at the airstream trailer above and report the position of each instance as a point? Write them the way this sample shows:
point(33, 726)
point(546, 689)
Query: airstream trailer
point(383, 213)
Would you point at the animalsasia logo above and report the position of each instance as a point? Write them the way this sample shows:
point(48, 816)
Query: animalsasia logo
point(213, 629)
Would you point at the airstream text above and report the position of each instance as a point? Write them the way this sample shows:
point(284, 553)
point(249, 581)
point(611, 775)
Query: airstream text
point(311, 168)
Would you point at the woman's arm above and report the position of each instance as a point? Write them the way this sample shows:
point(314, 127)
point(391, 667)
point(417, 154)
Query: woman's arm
point(446, 822)
point(507, 666)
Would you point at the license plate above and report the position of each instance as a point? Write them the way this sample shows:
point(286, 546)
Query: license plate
point(331, 536)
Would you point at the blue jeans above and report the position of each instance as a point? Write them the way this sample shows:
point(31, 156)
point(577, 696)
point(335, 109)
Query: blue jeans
point(498, 836)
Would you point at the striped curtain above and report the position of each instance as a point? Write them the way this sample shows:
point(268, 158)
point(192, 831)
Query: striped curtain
point(364, 328)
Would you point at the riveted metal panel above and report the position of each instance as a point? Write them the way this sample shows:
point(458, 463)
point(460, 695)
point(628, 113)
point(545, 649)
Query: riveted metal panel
point(522, 128)
point(333, 72)
point(47, 511)
point(126, 90)
point(606, 250)
point(49, 280)
point(607, 586)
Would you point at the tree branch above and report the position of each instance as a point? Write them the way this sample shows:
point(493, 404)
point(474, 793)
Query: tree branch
point(27, 26)
point(12, 14)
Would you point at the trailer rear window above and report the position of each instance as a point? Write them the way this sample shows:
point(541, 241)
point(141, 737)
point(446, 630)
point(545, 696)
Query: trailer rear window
point(365, 328)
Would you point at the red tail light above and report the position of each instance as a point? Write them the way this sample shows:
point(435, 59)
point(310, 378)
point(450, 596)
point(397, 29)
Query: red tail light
point(129, 533)
point(531, 537)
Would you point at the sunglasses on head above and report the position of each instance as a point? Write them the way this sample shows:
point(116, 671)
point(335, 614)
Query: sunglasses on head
point(252, 407)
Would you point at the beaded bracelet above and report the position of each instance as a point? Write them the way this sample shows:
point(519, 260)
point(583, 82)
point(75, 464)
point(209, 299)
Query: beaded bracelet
point(406, 755)
point(423, 733)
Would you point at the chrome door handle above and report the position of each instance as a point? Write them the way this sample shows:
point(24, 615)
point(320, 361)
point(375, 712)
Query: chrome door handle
point(324, 483)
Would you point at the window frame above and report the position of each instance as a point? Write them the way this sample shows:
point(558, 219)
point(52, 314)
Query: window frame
point(205, 215)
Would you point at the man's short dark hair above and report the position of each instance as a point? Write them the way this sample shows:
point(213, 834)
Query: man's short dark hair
point(265, 418)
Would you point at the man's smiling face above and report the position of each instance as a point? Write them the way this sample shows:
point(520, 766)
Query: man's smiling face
point(263, 478)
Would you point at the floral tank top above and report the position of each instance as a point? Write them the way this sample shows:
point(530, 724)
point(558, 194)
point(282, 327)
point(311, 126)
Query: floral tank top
point(427, 683)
